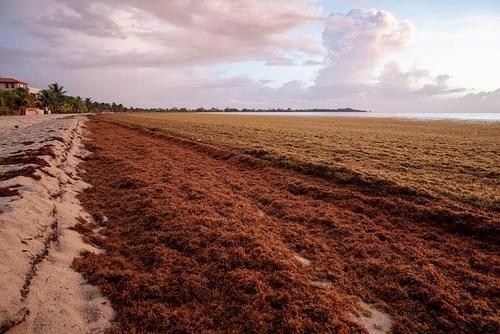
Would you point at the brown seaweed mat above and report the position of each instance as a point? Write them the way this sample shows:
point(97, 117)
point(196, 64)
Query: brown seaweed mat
point(198, 239)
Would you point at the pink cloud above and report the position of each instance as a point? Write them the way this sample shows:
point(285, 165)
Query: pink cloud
point(357, 42)
point(174, 32)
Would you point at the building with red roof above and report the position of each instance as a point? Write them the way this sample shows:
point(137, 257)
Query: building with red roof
point(11, 83)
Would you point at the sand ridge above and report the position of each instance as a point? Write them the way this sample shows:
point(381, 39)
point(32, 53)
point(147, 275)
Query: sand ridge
point(40, 291)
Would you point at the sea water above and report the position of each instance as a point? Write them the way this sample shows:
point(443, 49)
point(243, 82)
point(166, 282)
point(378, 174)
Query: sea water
point(467, 117)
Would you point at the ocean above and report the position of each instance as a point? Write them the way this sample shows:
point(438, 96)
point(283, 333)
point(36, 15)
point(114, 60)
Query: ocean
point(466, 117)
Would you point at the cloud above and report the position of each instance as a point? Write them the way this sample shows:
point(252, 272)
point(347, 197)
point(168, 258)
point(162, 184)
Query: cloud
point(311, 62)
point(9, 55)
point(478, 102)
point(393, 75)
point(155, 53)
point(280, 61)
point(154, 33)
point(77, 16)
point(395, 80)
point(356, 44)
point(358, 41)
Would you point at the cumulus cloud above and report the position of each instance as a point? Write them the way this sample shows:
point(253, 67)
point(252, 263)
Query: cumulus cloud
point(478, 102)
point(393, 75)
point(358, 41)
point(395, 80)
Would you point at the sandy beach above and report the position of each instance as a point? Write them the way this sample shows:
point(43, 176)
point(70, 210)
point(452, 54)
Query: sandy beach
point(38, 207)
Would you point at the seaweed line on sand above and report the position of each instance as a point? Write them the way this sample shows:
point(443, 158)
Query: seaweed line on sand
point(207, 240)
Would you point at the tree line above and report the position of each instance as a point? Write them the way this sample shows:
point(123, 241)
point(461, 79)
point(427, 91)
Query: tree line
point(54, 100)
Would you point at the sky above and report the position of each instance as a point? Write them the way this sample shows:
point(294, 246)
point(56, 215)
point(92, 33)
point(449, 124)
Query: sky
point(380, 55)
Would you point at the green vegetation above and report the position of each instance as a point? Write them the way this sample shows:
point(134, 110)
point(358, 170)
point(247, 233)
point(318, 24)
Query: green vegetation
point(53, 100)
point(15, 101)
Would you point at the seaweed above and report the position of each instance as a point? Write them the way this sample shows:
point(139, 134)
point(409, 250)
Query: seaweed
point(213, 246)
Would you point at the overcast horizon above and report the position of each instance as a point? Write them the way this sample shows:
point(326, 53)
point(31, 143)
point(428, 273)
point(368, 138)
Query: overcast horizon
point(383, 56)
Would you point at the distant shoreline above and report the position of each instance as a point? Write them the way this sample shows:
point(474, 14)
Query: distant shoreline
point(344, 110)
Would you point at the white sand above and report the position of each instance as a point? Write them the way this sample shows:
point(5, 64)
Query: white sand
point(302, 260)
point(368, 316)
point(374, 320)
point(322, 284)
point(35, 225)
point(9, 122)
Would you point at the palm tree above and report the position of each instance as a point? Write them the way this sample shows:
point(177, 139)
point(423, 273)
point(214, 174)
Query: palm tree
point(57, 90)
point(47, 99)
point(4, 103)
point(3, 98)
point(88, 104)
point(76, 104)
point(59, 94)
point(20, 99)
